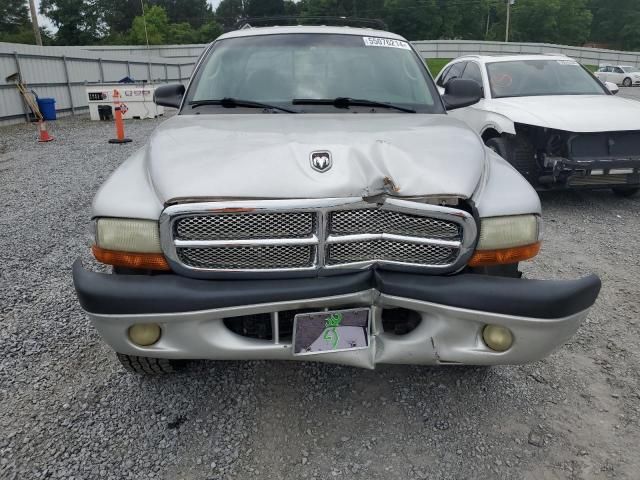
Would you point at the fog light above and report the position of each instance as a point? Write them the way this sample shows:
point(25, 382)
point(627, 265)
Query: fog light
point(497, 338)
point(144, 334)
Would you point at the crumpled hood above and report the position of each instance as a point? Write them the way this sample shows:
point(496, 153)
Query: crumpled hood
point(573, 113)
point(268, 156)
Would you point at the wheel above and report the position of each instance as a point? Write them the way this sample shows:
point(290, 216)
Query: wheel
point(519, 153)
point(627, 82)
point(148, 365)
point(626, 191)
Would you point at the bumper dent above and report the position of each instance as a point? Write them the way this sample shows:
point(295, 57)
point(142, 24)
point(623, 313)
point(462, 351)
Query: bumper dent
point(541, 314)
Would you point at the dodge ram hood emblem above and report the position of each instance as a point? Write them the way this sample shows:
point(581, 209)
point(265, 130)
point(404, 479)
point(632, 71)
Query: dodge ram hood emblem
point(321, 160)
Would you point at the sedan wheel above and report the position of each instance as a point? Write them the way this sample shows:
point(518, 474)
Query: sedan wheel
point(627, 82)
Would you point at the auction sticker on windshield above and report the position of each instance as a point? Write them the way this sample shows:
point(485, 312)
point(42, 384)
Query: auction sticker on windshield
point(335, 331)
point(385, 42)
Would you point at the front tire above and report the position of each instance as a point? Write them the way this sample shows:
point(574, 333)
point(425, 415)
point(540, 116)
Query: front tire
point(148, 365)
point(627, 82)
point(626, 191)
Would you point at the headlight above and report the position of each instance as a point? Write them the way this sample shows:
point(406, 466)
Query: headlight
point(505, 240)
point(129, 243)
point(506, 232)
point(128, 235)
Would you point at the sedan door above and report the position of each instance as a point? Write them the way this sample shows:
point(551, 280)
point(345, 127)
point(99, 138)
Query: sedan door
point(616, 76)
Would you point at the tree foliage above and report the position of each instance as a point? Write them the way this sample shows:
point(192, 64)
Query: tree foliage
point(611, 23)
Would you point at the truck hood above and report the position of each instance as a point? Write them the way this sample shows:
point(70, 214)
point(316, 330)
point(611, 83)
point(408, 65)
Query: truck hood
point(268, 156)
point(572, 113)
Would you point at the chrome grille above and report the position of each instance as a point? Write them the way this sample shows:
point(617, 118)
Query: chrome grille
point(249, 258)
point(243, 226)
point(384, 221)
point(204, 239)
point(423, 254)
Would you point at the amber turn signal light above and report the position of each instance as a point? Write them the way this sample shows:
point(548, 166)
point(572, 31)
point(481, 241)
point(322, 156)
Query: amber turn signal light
point(484, 258)
point(151, 261)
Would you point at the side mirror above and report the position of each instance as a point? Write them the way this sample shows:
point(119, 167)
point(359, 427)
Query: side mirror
point(612, 87)
point(459, 93)
point(169, 95)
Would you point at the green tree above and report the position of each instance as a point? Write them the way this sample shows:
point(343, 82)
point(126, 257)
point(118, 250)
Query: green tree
point(119, 14)
point(264, 8)
point(413, 22)
point(79, 22)
point(157, 25)
point(230, 12)
point(616, 24)
point(15, 24)
point(209, 32)
point(194, 12)
point(181, 33)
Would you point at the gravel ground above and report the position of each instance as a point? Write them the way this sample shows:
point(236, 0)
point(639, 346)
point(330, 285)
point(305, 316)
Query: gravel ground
point(630, 92)
point(68, 410)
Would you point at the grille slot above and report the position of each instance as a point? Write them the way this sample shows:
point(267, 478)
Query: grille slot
point(600, 180)
point(349, 222)
point(425, 254)
point(227, 226)
point(249, 257)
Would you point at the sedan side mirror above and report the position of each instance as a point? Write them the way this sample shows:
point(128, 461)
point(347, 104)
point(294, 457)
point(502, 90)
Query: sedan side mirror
point(612, 87)
point(169, 95)
point(459, 93)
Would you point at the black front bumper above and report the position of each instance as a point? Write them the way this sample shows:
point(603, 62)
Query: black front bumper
point(169, 293)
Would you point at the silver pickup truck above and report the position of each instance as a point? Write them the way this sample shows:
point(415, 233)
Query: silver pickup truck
point(312, 200)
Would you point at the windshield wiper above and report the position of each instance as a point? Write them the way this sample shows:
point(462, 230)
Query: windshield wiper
point(346, 102)
point(229, 102)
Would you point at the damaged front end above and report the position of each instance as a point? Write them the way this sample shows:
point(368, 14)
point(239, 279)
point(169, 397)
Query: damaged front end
point(560, 159)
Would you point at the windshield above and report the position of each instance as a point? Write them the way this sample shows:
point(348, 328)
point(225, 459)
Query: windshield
point(627, 68)
point(527, 78)
point(276, 69)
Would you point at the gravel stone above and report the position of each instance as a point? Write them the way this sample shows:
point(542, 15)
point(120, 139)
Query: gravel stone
point(69, 411)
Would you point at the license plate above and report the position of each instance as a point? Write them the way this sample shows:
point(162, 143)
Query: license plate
point(335, 331)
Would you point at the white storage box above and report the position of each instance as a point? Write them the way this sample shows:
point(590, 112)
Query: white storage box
point(138, 98)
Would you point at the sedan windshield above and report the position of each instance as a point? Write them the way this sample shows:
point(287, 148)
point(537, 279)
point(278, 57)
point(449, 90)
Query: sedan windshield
point(528, 78)
point(322, 72)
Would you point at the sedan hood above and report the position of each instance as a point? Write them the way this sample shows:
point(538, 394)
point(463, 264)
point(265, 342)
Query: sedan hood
point(572, 113)
point(268, 156)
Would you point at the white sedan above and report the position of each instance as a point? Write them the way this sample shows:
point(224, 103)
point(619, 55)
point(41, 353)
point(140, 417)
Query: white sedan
point(552, 120)
point(625, 75)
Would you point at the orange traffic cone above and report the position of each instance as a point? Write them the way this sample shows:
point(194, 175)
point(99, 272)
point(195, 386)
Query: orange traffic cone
point(118, 107)
point(44, 135)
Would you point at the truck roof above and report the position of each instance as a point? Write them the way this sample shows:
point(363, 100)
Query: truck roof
point(254, 31)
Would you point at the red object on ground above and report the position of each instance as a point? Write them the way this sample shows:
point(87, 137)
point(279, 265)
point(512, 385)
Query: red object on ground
point(43, 133)
point(119, 108)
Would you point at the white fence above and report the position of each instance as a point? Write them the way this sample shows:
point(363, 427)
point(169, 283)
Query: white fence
point(63, 73)
point(587, 56)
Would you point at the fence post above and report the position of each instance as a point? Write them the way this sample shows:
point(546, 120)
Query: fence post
point(25, 109)
point(166, 73)
point(149, 71)
point(66, 75)
point(180, 73)
point(101, 70)
point(128, 69)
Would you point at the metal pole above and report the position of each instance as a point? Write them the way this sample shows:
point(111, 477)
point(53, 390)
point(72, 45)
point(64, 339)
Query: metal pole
point(506, 35)
point(66, 74)
point(34, 22)
point(101, 70)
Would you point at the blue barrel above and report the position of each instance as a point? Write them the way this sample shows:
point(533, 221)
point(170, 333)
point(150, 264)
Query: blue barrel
point(47, 108)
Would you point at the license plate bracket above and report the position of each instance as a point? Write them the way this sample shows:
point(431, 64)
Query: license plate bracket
point(331, 331)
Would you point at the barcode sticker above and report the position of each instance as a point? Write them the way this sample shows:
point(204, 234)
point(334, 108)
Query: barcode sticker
point(385, 42)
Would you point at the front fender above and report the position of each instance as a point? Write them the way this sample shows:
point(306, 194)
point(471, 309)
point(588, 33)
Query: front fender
point(128, 192)
point(505, 191)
